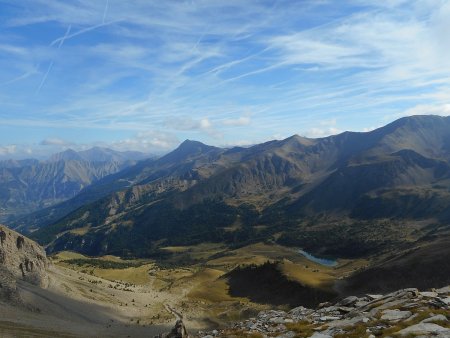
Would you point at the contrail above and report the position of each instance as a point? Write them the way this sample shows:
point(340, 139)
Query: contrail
point(85, 30)
point(106, 11)
point(45, 77)
point(50, 66)
point(65, 36)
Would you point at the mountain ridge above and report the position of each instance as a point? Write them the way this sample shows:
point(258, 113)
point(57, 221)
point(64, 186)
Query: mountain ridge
point(29, 185)
point(278, 185)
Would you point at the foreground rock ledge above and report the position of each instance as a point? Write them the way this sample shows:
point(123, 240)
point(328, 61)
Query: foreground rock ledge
point(403, 313)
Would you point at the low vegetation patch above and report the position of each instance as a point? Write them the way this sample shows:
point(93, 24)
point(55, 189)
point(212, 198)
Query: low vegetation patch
point(102, 264)
point(302, 328)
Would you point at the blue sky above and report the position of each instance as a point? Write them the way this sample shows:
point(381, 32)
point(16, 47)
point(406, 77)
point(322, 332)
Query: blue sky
point(145, 75)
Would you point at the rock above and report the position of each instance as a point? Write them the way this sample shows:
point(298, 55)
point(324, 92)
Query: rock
point(443, 291)
point(436, 318)
point(345, 309)
point(337, 320)
point(393, 303)
point(374, 297)
point(428, 294)
point(425, 329)
point(8, 288)
point(178, 331)
point(325, 304)
point(341, 323)
point(328, 318)
point(320, 335)
point(276, 320)
point(349, 301)
point(20, 258)
point(395, 315)
point(361, 303)
point(289, 334)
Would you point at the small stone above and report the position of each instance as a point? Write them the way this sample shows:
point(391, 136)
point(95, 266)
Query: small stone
point(374, 297)
point(276, 320)
point(428, 294)
point(328, 318)
point(394, 315)
point(349, 301)
point(444, 290)
point(325, 304)
point(320, 335)
point(361, 303)
point(345, 309)
point(424, 328)
point(289, 334)
point(437, 318)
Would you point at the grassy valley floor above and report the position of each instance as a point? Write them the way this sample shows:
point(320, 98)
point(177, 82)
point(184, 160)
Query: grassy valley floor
point(109, 296)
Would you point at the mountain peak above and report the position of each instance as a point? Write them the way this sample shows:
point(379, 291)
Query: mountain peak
point(297, 140)
point(66, 155)
point(186, 149)
point(192, 144)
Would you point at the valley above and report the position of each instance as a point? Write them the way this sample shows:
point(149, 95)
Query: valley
point(133, 296)
point(225, 169)
point(214, 236)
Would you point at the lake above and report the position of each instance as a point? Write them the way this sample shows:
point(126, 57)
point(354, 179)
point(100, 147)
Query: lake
point(321, 261)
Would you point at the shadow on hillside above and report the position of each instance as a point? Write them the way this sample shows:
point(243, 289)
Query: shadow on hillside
point(266, 284)
point(426, 267)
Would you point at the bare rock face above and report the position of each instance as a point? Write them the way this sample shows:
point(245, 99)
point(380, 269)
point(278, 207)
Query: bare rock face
point(21, 258)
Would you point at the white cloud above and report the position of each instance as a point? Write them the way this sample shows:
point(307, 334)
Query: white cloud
point(240, 121)
point(186, 123)
point(8, 149)
point(322, 132)
point(55, 141)
point(149, 141)
point(427, 109)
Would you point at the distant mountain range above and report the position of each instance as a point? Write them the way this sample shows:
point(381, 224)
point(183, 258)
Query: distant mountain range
point(29, 185)
point(348, 195)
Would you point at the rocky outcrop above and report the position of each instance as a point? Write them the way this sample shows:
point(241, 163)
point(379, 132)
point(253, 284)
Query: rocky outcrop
point(20, 258)
point(404, 313)
point(178, 331)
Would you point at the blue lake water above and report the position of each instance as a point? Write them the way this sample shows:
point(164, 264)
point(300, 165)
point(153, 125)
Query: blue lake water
point(321, 261)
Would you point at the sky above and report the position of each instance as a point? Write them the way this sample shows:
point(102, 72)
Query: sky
point(146, 75)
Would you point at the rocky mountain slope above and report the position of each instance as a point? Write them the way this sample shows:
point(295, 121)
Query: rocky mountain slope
point(20, 258)
point(295, 191)
point(29, 185)
point(403, 313)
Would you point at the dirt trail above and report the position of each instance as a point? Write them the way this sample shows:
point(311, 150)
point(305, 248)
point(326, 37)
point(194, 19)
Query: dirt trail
point(174, 312)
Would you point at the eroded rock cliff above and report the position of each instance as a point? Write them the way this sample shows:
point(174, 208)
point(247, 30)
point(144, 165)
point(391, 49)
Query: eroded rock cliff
point(20, 258)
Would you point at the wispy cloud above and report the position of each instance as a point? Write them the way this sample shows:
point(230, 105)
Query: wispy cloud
point(55, 141)
point(193, 69)
point(240, 121)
